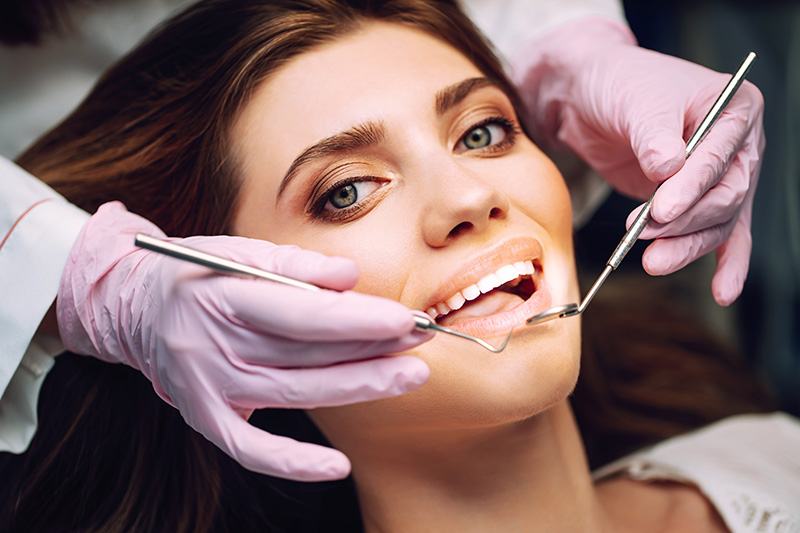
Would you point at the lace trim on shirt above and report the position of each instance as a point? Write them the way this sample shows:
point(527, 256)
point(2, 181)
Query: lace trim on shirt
point(759, 516)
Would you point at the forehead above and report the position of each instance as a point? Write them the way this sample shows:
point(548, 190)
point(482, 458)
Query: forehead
point(382, 72)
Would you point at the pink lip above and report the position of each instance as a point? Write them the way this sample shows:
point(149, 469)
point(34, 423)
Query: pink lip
point(487, 261)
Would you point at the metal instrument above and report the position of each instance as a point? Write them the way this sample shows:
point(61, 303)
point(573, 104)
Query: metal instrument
point(226, 266)
point(569, 310)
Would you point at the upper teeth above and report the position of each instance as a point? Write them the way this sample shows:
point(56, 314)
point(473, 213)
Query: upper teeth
point(490, 282)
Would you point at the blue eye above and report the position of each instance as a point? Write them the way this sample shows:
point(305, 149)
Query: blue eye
point(484, 136)
point(343, 196)
point(494, 133)
point(349, 194)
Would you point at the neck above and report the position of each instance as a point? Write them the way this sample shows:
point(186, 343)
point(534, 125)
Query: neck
point(530, 475)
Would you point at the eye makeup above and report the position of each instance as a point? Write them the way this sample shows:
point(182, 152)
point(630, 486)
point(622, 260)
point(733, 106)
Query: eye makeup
point(362, 202)
point(492, 135)
point(318, 210)
point(510, 129)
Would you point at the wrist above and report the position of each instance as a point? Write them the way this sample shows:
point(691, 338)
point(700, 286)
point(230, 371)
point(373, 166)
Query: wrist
point(550, 71)
point(100, 285)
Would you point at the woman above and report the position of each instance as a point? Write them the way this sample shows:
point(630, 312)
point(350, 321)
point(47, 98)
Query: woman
point(386, 133)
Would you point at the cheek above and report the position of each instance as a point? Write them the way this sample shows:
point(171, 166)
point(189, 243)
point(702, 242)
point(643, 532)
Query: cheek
point(383, 269)
point(542, 194)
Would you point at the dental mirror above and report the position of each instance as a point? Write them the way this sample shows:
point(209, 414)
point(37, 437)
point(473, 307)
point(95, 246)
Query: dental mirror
point(569, 310)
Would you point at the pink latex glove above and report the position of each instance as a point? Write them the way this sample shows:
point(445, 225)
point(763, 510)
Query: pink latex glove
point(626, 111)
point(218, 347)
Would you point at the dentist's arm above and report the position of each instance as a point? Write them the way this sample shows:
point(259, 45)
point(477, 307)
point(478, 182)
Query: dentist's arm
point(37, 229)
point(624, 110)
point(216, 347)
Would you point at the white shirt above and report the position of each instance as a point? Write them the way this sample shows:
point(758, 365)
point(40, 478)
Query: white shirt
point(748, 467)
point(37, 229)
point(41, 85)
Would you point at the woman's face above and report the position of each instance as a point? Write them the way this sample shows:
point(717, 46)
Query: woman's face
point(389, 147)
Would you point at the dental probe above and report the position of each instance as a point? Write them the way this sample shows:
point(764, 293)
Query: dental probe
point(226, 266)
point(566, 311)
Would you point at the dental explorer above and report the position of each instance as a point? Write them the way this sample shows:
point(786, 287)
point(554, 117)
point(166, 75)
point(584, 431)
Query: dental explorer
point(226, 266)
point(569, 310)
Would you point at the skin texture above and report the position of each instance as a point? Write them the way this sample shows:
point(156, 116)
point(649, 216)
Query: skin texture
point(433, 216)
point(429, 186)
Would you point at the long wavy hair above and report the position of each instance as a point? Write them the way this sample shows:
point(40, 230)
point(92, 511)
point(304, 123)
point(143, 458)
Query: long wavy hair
point(154, 134)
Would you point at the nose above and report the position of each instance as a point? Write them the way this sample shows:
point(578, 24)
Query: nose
point(461, 203)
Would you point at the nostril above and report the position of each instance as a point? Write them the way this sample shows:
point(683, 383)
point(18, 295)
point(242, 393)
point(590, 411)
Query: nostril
point(461, 228)
point(496, 212)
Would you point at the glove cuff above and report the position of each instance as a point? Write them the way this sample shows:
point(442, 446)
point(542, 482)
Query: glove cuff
point(95, 316)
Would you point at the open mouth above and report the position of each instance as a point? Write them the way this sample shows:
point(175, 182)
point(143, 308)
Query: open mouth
point(503, 290)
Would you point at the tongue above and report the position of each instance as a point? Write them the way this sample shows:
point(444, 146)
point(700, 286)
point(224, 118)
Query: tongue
point(486, 304)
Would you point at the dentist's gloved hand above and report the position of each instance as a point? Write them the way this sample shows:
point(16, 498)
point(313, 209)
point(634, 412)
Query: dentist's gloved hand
point(218, 347)
point(626, 111)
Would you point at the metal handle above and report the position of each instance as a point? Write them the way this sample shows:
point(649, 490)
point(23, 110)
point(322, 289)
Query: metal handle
point(213, 262)
point(702, 130)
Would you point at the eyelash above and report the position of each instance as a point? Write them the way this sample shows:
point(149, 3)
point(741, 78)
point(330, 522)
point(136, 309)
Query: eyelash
point(510, 127)
point(317, 209)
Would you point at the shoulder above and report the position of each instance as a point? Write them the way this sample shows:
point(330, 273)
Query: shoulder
point(748, 466)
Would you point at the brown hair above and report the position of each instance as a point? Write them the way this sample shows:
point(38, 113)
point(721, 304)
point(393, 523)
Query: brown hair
point(153, 133)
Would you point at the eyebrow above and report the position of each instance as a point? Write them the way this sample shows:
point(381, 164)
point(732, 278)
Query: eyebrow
point(358, 137)
point(454, 94)
point(371, 133)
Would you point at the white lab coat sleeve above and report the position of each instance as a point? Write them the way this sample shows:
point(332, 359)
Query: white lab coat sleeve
point(510, 25)
point(37, 230)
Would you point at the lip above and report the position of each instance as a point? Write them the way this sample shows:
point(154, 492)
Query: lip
point(499, 324)
point(486, 262)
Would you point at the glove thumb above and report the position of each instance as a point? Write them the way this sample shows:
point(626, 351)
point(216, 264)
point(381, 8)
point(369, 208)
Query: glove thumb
point(658, 145)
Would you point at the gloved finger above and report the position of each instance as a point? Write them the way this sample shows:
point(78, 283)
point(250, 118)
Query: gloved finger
point(670, 254)
point(657, 142)
point(342, 384)
point(260, 348)
point(708, 165)
point(716, 208)
point(283, 353)
point(733, 262)
point(719, 205)
point(315, 316)
point(738, 132)
point(275, 455)
point(336, 273)
point(266, 342)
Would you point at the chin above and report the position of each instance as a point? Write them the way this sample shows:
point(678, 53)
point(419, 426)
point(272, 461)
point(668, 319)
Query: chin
point(472, 387)
point(524, 380)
